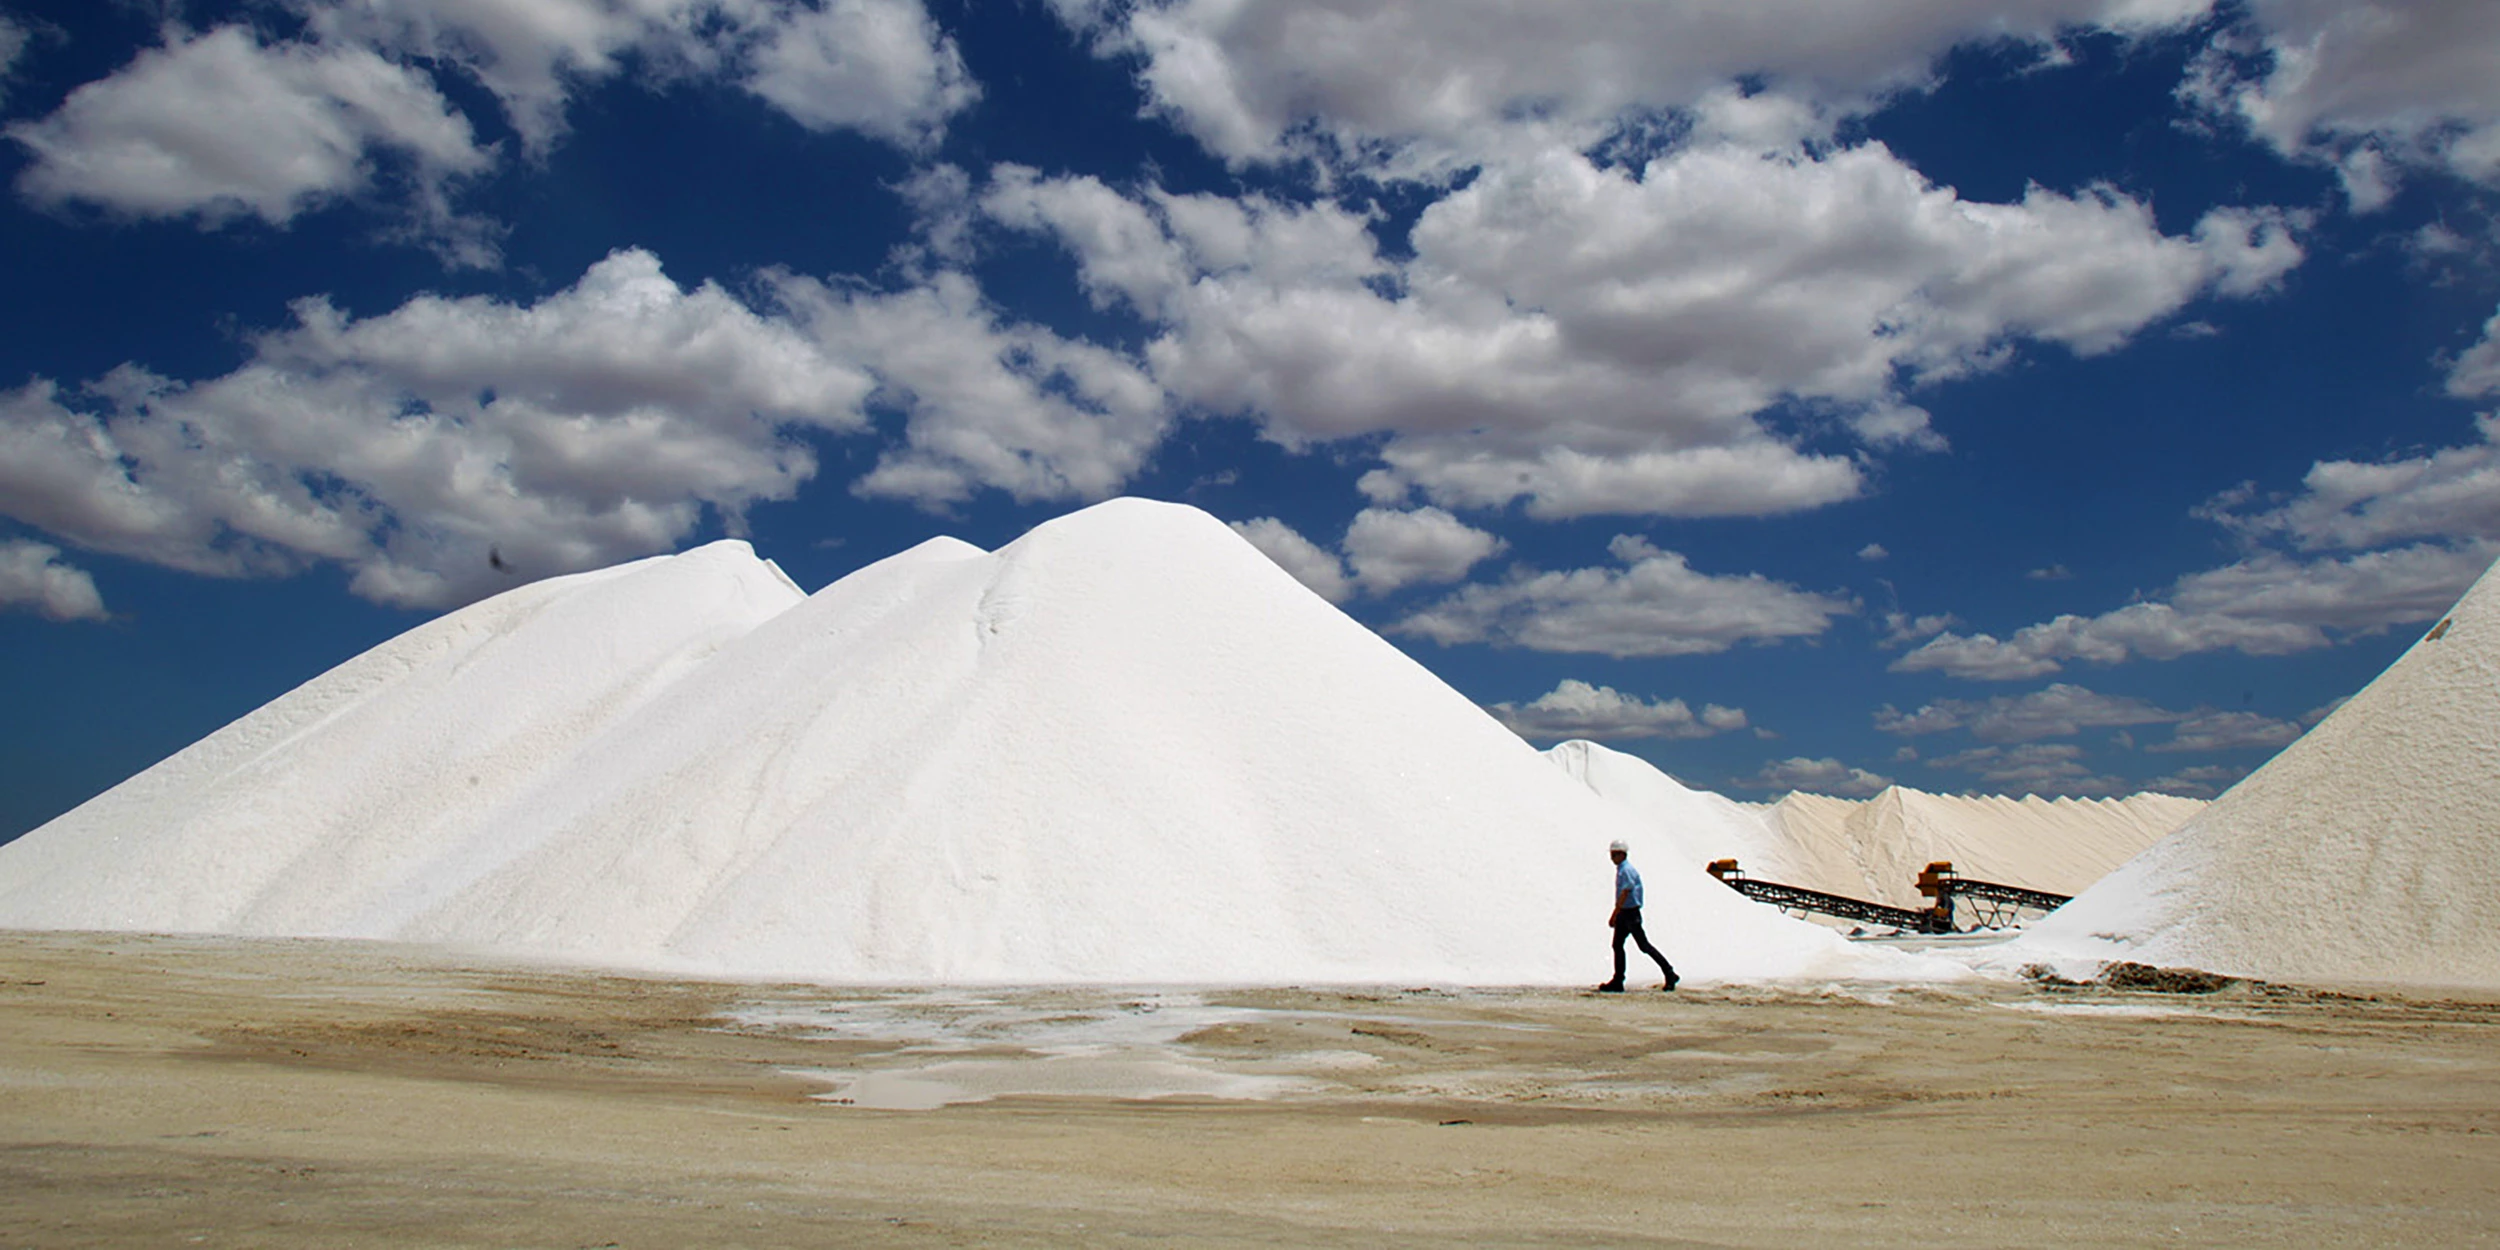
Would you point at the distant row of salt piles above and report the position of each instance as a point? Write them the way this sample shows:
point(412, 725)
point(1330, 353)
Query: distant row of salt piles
point(1128, 748)
point(1874, 848)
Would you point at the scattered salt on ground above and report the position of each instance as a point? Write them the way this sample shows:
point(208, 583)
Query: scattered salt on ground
point(1874, 848)
point(2369, 850)
point(1124, 748)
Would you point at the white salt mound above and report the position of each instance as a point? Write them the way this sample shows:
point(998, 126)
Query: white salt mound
point(317, 813)
point(1124, 748)
point(1874, 848)
point(2367, 851)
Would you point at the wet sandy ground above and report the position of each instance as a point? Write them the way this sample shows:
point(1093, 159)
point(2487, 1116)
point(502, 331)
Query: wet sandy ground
point(168, 1092)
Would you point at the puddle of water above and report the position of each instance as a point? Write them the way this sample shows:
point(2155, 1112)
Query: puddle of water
point(952, 1021)
point(1124, 1046)
point(1081, 1076)
point(2121, 1011)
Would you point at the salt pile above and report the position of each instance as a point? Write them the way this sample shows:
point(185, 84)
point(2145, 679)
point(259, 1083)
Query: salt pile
point(302, 817)
point(1124, 748)
point(1874, 848)
point(2367, 851)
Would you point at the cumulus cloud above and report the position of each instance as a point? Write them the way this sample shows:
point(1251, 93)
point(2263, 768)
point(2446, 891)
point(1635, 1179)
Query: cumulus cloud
point(880, 67)
point(2034, 768)
point(1815, 776)
point(2451, 493)
point(1390, 549)
point(2223, 731)
point(221, 125)
point(1591, 338)
point(1578, 709)
point(14, 36)
point(1901, 628)
point(1873, 551)
point(1656, 604)
point(227, 124)
point(2267, 604)
point(1311, 564)
point(33, 577)
point(2476, 372)
point(2201, 782)
point(988, 403)
point(1436, 82)
point(2358, 549)
point(2057, 711)
point(603, 422)
point(2370, 88)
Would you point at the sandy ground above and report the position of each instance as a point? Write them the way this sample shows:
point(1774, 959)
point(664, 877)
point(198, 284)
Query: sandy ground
point(169, 1092)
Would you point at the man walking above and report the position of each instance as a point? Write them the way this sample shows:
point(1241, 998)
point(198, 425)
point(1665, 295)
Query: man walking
point(1626, 920)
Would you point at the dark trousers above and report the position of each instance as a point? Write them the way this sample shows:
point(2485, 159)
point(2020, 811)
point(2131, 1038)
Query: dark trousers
point(1628, 925)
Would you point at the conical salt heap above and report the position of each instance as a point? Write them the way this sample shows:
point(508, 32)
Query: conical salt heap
point(2367, 851)
point(1124, 748)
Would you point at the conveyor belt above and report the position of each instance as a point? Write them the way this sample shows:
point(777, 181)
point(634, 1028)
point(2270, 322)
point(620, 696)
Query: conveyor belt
point(1798, 898)
point(1963, 904)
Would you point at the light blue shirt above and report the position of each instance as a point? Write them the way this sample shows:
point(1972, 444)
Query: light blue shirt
point(1627, 879)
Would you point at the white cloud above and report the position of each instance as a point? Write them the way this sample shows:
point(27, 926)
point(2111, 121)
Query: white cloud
point(943, 219)
point(988, 403)
point(1489, 469)
point(1655, 605)
point(531, 54)
point(1577, 709)
point(2036, 768)
point(2201, 782)
point(1449, 77)
point(2477, 370)
point(1901, 629)
point(221, 126)
point(2223, 731)
point(224, 124)
point(600, 423)
point(32, 576)
point(1311, 564)
point(13, 40)
point(2451, 493)
point(1390, 549)
point(2416, 532)
point(880, 67)
point(1816, 776)
point(2267, 604)
point(1873, 551)
point(1594, 339)
point(2057, 711)
point(2369, 87)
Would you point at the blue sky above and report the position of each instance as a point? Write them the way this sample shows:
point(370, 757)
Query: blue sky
point(2070, 396)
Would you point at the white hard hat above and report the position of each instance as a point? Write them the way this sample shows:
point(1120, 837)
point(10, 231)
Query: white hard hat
point(1617, 845)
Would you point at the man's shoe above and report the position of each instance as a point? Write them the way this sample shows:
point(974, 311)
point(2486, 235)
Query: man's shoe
point(1611, 987)
point(1672, 981)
